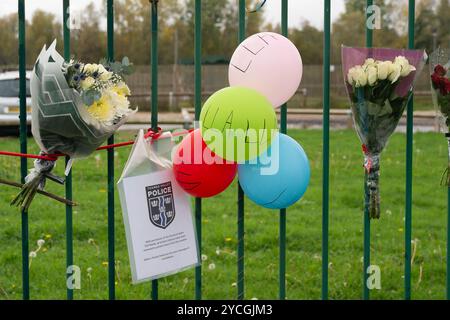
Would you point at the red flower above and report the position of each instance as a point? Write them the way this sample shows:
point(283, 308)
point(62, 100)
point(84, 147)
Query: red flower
point(445, 88)
point(440, 70)
point(440, 81)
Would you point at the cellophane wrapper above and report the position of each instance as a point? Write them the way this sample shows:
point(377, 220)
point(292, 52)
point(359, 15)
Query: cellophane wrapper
point(441, 98)
point(60, 121)
point(376, 116)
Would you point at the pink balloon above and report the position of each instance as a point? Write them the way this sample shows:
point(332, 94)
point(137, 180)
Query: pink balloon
point(269, 63)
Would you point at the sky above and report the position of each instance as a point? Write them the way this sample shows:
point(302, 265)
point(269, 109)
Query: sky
point(299, 10)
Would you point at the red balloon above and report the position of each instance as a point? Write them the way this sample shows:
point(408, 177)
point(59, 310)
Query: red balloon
point(198, 170)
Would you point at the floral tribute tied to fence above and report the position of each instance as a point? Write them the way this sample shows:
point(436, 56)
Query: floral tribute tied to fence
point(440, 90)
point(379, 83)
point(76, 107)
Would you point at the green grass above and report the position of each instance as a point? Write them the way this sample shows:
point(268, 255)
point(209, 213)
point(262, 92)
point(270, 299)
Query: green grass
point(47, 272)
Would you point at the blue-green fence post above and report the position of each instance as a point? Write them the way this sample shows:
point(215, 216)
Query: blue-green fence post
point(240, 213)
point(326, 145)
point(448, 244)
point(198, 107)
point(23, 147)
point(409, 158)
point(154, 89)
point(68, 182)
point(366, 218)
point(283, 129)
point(110, 153)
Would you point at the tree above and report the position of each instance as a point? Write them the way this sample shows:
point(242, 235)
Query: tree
point(309, 40)
point(426, 24)
point(42, 30)
point(89, 43)
point(9, 39)
point(443, 12)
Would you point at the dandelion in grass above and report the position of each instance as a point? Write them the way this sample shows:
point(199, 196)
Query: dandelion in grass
point(92, 242)
point(33, 254)
point(211, 266)
point(89, 275)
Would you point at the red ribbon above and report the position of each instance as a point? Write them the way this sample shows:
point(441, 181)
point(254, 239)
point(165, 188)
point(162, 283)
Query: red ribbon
point(53, 157)
point(368, 164)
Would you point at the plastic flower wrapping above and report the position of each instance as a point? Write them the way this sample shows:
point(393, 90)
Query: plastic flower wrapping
point(76, 107)
point(379, 84)
point(440, 90)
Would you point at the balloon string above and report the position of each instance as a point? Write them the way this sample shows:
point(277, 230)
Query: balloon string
point(53, 157)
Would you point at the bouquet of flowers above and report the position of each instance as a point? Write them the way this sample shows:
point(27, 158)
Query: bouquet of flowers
point(75, 108)
point(440, 90)
point(379, 83)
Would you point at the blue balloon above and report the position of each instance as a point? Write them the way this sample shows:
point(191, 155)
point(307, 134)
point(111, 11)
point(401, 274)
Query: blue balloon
point(279, 177)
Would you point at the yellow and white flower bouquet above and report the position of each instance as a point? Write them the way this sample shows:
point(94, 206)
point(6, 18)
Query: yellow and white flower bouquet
point(76, 107)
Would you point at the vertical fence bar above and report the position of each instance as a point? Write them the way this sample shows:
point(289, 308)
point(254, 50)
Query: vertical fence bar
point(240, 213)
point(326, 145)
point(283, 129)
point(110, 153)
point(68, 182)
point(409, 157)
point(23, 146)
point(198, 107)
point(448, 244)
point(366, 218)
point(154, 103)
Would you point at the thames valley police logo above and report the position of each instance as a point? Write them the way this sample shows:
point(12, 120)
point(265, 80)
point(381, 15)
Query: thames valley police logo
point(160, 204)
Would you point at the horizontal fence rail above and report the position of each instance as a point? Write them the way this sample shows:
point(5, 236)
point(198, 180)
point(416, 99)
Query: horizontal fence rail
point(240, 284)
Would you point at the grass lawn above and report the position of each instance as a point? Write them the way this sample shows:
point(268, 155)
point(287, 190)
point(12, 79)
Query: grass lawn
point(304, 225)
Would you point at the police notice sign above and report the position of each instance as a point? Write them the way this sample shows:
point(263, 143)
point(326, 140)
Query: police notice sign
point(157, 213)
point(159, 226)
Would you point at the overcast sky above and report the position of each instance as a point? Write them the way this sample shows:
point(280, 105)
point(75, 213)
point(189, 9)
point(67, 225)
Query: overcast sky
point(299, 10)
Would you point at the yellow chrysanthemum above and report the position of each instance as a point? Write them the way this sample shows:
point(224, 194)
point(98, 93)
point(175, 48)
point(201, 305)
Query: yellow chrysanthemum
point(122, 89)
point(102, 109)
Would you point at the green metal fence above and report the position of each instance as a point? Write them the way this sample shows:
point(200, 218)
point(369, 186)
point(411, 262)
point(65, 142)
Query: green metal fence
point(240, 196)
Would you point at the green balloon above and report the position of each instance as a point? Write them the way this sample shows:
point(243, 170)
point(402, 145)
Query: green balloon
point(238, 123)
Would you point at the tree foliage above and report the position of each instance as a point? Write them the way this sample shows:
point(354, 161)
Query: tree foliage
point(219, 30)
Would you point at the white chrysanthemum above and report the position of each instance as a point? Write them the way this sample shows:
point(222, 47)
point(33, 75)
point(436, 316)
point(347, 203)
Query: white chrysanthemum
point(119, 102)
point(90, 67)
point(87, 83)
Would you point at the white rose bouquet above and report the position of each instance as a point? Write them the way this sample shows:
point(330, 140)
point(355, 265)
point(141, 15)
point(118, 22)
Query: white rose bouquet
point(75, 108)
point(379, 83)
